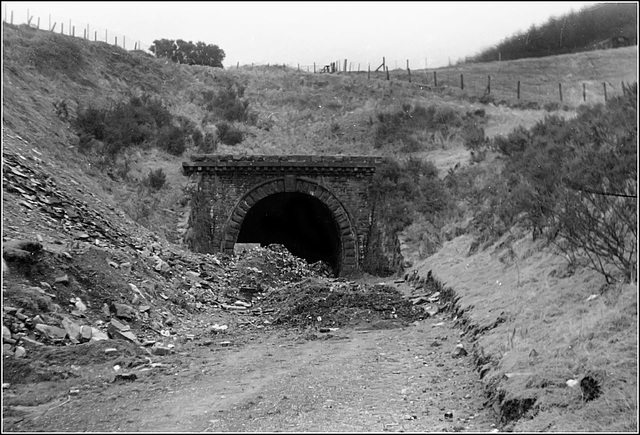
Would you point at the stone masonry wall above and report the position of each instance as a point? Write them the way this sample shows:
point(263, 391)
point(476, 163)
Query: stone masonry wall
point(228, 186)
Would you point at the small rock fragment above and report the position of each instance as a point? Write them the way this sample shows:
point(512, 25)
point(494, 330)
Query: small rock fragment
point(64, 279)
point(459, 351)
point(20, 352)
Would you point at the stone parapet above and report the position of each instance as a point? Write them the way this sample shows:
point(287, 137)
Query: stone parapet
point(299, 164)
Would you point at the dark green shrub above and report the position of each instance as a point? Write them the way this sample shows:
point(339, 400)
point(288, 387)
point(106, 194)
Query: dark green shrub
point(171, 139)
point(91, 121)
point(228, 134)
point(229, 104)
point(514, 143)
point(403, 189)
point(575, 181)
point(127, 124)
point(198, 139)
point(156, 179)
point(473, 136)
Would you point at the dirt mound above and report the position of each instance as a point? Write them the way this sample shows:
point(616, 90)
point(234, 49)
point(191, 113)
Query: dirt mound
point(51, 363)
point(274, 266)
point(325, 302)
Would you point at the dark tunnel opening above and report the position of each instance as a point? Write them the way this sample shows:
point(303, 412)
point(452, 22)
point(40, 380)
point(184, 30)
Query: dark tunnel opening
point(300, 222)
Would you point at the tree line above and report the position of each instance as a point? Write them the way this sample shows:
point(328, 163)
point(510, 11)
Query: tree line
point(181, 51)
point(571, 33)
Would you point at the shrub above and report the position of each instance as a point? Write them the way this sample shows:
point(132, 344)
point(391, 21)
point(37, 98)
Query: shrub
point(198, 139)
point(473, 136)
point(156, 179)
point(228, 134)
point(576, 182)
point(514, 143)
point(229, 104)
point(402, 189)
point(91, 121)
point(126, 124)
point(172, 140)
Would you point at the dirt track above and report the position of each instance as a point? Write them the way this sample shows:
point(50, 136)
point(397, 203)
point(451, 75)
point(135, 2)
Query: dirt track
point(385, 378)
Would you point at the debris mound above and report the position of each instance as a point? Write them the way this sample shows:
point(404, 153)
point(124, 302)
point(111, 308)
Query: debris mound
point(263, 269)
point(324, 302)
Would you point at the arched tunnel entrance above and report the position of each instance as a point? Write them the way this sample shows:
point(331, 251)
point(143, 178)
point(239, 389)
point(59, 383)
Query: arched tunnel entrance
point(300, 222)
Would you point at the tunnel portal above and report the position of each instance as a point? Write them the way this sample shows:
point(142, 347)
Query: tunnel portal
point(300, 222)
point(318, 207)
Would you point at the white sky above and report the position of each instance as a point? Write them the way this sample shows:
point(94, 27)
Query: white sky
point(302, 33)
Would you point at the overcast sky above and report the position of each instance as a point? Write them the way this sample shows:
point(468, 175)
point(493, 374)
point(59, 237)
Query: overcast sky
point(302, 33)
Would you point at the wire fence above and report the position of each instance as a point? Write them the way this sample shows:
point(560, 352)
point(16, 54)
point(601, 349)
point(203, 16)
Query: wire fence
point(530, 89)
point(78, 29)
point(478, 85)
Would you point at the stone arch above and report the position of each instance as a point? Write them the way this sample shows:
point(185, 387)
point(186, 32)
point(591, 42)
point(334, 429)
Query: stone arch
point(291, 184)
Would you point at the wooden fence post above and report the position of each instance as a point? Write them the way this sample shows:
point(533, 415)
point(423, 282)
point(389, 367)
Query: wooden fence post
point(11, 17)
point(604, 86)
point(435, 79)
point(369, 72)
point(314, 67)
point(584, 92)
point(73, 31)
point(298, 67)
point(116, 39)
point(95, 35)
point(518, 89)
point(408, 71)
point(345, 65)
point(387, 73)
point(61, 27)
point(237, 65)
point(488, 84)
point(560, 90)
point(462, 81)
point(54, 26)
point(358, 66)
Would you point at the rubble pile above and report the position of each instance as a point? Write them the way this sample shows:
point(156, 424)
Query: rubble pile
point(324, 302)
point(263, 269)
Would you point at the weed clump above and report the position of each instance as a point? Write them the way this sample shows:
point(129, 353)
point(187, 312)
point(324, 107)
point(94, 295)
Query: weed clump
point(402, 126)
